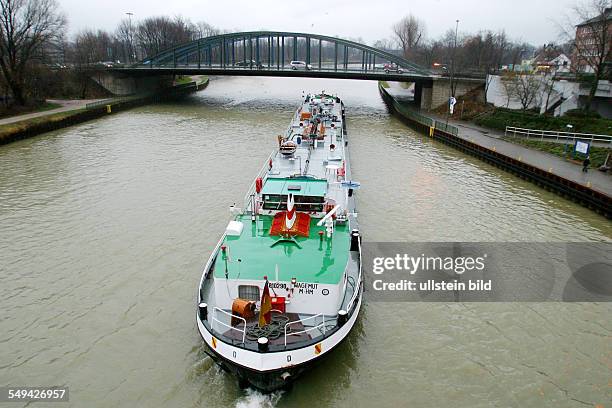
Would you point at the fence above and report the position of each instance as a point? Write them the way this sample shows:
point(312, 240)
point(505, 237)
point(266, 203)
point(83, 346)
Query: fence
point(556, 135)
point(417, 117)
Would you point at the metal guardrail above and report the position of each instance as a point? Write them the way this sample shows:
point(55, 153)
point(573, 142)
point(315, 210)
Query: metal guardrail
point(232, 316)
point(112, 101)
point(556, 135)
point(422, 119)
point(247, 201)
point(447, 128)
point(131, 98)
point(322, 324)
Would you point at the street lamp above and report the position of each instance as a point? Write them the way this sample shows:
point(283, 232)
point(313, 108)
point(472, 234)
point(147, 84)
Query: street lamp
point(131, 48)
point(569, 128)
point(451, 92)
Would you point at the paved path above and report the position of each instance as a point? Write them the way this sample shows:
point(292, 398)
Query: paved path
point(492, 139)
point(545, 161)
point(67, 105)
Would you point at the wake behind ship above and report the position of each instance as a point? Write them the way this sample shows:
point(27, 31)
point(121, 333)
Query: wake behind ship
point(283, 286)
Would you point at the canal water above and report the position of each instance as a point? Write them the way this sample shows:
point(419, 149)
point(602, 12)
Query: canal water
point(105, 226)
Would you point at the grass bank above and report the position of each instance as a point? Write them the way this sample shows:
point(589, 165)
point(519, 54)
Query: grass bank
point(35, 126)
point(14, 111)
point(499, 118)
point(598, 154)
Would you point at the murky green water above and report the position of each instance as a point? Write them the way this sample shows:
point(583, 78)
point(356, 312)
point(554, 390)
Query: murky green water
point(104, 228)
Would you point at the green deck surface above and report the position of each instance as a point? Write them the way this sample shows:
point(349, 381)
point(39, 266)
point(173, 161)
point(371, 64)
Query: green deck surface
point(314, 261)
point(280, 186)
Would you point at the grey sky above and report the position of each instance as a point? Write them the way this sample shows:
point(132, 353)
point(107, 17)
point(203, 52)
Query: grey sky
point(529, 20)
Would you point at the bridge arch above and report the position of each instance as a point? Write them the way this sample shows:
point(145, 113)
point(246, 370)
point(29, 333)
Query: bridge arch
point(273, 50)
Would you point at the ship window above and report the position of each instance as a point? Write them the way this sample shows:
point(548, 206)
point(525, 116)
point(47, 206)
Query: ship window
point(248, 292)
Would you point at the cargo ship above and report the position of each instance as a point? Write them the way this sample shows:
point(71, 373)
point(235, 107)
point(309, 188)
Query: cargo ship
point(283, 286)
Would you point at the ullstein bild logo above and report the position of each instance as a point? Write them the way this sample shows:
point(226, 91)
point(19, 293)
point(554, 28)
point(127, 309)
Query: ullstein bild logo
point(480, 272)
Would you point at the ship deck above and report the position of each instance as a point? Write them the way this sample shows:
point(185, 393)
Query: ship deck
point(309, 259)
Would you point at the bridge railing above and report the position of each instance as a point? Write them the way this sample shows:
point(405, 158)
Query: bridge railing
point(555, 135)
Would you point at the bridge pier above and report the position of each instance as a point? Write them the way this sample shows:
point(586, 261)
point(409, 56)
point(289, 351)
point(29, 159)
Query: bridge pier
point(122, 84)
point(437, 92)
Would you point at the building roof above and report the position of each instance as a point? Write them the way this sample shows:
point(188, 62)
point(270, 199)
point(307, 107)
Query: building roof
point(608, 16)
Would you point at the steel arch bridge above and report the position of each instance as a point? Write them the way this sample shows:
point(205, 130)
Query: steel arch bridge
point(269, 53)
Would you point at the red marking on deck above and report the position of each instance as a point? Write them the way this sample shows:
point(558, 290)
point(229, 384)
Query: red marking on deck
point(301, 226)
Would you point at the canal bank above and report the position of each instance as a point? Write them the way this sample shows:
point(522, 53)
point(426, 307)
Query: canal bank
point(547, 172)
point(31, 127)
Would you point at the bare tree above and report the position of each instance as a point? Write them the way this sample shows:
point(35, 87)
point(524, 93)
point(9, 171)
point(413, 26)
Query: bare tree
point(25, 26)
point(593, 40)
point(525, 88)
point(203, 29)
point(126, 33)
point(384, 44)
point(155, 34)
point(409, 32)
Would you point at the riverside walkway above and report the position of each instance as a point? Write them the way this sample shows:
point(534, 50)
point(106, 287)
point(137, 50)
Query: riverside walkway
point(67, 105)
point(492, 139)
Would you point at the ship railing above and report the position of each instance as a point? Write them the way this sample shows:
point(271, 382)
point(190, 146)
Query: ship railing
point(248, 202)
point(306, 330)
point(357, 286)
point(229, 326)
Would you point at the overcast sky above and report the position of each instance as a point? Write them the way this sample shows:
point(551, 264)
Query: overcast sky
point(533, 21)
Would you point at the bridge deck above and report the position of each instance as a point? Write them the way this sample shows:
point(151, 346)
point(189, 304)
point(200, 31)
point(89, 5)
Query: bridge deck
point(371, 75)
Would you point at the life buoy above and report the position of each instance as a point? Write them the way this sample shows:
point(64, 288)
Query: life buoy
point(258, 184)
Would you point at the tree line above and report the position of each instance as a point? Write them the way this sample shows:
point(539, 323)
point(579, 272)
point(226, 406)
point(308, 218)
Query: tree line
point(37, 60)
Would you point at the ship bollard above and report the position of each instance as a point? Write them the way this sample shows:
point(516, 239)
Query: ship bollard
point(203, 310)
point(262, 344)
point(342, 315)
point(354, 240)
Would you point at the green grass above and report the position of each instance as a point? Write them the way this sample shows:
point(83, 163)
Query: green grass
point(15, 111)
point(15, 127)
point(598, 154)
point(182, 80)
point(500, 118)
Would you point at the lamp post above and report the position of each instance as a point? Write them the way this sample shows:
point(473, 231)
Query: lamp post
point(451, 91)
point(569, 129)
point(130, 47)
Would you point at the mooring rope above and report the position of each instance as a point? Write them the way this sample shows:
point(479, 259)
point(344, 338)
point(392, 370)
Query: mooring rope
point(272, 330)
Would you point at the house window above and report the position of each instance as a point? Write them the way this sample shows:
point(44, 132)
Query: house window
point(248, 292)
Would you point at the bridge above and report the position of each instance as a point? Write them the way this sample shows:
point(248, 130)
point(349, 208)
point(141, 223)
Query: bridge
point(269, 53)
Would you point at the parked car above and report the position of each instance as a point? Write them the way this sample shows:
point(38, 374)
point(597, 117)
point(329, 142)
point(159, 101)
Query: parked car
point(392, 67)
point(249, 64)
point(295, 65)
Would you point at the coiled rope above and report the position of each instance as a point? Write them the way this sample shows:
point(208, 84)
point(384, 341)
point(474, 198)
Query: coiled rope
point(272, 330)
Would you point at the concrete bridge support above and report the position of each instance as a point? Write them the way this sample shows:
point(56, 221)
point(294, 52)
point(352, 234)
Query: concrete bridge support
point(436, 93)
point(122, 84)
